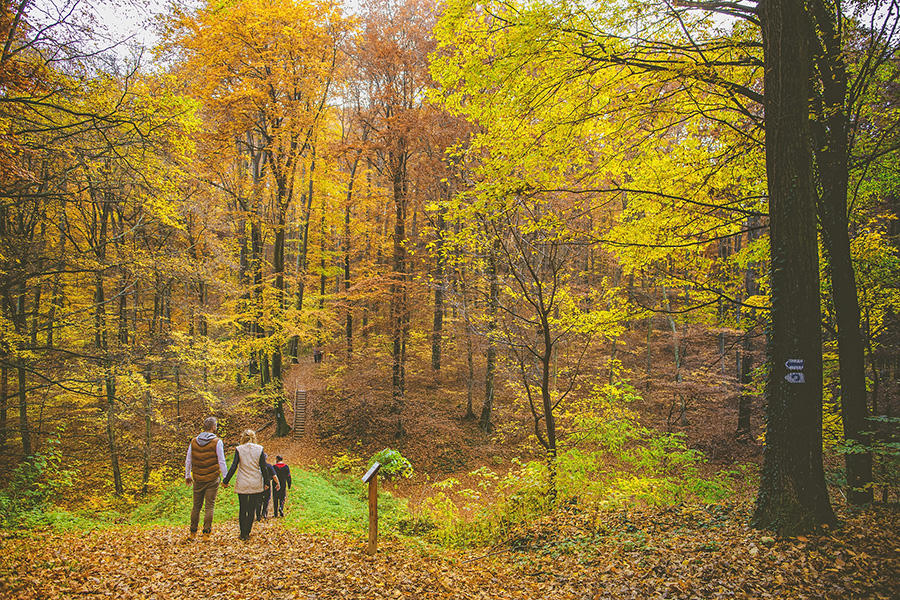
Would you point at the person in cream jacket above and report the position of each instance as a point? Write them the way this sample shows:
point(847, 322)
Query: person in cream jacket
point(251, 478)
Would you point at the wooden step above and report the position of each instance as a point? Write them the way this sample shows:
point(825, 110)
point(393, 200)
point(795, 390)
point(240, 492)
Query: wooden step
point(299, 413)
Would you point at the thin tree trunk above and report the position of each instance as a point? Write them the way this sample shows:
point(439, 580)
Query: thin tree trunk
point(437, 329)
point(22, 374)
point(24, 429)
point(745, 399)
point(491, 363)
point(320, 334)
point(110, 386)
point(278, 267)
point(148, 421)
point(470, 378)
point(832, 157)
point(398, 288)
point(51, 314)
point(109, 379)
point(612, 360)
point(348, 328)
point(303, 248)
point(4, 395)
point(546, 365)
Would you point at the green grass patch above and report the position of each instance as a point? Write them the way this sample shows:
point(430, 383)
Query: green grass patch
point(318, 502)
point(172, 507)
point(325, 503)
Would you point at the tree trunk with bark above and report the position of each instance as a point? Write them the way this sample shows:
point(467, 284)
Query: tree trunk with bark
point(491, 363)
point(399, 306)
point(832, 150)
point(792, 496)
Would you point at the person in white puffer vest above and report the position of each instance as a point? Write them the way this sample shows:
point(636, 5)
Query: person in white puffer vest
point(252, 479)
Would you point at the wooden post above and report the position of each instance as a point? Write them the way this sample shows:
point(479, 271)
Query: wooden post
point(371, 477)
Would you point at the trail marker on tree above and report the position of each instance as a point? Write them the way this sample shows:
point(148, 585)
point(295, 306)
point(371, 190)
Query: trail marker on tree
point(795, 377)
point(795, 370)
point(371, 477)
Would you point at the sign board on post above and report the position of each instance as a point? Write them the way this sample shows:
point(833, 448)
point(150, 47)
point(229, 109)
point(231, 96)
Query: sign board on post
point(371, 472)
point(371, 477)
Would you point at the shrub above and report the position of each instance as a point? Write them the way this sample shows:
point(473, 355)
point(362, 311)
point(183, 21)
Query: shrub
point(345, 463)
point(885, 450)
point(32, 484)
point(393, 464)
point(610, 460)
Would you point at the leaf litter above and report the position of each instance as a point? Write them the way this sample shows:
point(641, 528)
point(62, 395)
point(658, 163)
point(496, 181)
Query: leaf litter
point(684, 552)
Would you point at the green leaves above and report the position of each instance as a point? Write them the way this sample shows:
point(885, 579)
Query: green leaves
point(393, 464)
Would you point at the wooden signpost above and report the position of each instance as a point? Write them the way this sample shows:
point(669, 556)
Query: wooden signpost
point(371, 477)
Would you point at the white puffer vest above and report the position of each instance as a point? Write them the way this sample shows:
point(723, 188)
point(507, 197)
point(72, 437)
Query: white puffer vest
point(249, 479)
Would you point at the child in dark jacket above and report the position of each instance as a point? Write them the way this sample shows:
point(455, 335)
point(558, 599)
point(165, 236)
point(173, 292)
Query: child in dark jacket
point(283, 472)
point(262, 509)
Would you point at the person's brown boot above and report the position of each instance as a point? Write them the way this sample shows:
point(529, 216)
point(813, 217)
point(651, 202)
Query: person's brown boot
point(192, 536)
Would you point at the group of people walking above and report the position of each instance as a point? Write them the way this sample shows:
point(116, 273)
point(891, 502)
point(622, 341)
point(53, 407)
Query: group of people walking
point(255, 480)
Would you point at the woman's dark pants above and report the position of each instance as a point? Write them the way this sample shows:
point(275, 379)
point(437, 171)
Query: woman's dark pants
point(247, 504)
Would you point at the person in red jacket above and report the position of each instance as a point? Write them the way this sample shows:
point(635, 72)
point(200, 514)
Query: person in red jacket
point(204, 467)
point(283, 472)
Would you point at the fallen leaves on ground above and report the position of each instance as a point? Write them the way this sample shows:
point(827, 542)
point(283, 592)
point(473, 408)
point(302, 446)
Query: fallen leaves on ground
point(682, 552)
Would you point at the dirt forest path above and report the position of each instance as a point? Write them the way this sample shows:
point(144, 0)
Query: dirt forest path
point(303, 451)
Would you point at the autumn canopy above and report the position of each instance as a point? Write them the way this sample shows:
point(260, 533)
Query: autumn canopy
point(566, 262)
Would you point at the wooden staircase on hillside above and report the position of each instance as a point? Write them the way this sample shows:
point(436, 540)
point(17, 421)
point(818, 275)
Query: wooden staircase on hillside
point(299, 414)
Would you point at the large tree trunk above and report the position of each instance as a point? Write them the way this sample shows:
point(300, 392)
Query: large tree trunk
point(792, 495)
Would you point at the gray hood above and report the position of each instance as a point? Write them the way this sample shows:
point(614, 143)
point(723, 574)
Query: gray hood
point(205, 438)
